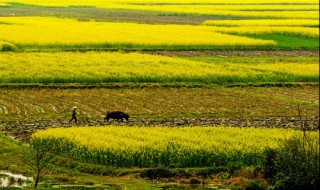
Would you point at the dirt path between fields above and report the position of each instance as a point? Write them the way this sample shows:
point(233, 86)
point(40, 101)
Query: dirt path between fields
point(249, 53)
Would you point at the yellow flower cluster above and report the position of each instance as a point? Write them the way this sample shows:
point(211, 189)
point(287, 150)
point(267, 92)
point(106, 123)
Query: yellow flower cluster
point(152, 146)
point(136, 67)
point(49, 31)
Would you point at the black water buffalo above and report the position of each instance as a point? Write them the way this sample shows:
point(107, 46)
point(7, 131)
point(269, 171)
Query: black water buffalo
point(118, 115)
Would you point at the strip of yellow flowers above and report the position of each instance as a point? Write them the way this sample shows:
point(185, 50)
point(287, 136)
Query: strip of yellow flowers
point(153, 146)
point(286, 30)
point(135, 138)
point(288, 27)
point(136, 67)
point(52, 31)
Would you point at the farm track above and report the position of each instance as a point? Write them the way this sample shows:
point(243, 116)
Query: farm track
point(23, 111)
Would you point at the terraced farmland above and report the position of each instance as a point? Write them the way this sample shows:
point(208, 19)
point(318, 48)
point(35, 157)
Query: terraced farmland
point(217, 92)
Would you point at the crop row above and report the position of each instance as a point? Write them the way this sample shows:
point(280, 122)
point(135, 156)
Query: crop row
point(163, 146)
point(136, 67)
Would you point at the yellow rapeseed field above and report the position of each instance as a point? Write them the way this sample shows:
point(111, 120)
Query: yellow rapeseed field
point(263, 22)
point(50, 31)
point(308, 9)
point(136, 67)
point(136, 138)
point(286, 30)
point(166, 146)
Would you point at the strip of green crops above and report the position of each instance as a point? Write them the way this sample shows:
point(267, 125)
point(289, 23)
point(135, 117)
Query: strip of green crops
point(134, 67)
point(289, 41)
point(163, 146)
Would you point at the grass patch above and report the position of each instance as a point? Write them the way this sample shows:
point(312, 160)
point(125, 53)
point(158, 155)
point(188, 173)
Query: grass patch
point(8, 143)
point(10, 159)
point(290, 42)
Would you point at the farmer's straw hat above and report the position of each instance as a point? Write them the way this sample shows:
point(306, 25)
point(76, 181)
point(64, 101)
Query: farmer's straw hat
point(74, 107)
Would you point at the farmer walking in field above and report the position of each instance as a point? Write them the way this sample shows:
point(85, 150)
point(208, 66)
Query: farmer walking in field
point(74, 113)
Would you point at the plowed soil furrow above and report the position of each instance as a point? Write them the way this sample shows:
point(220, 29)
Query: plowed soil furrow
point(33, 109)
point(27, 104)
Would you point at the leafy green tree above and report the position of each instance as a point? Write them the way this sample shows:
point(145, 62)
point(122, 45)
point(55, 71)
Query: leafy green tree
point(37, 158)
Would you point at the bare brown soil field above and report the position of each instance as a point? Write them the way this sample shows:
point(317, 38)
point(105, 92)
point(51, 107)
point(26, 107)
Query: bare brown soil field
point(23, 111)
point(91, 13)
point(26, 104)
